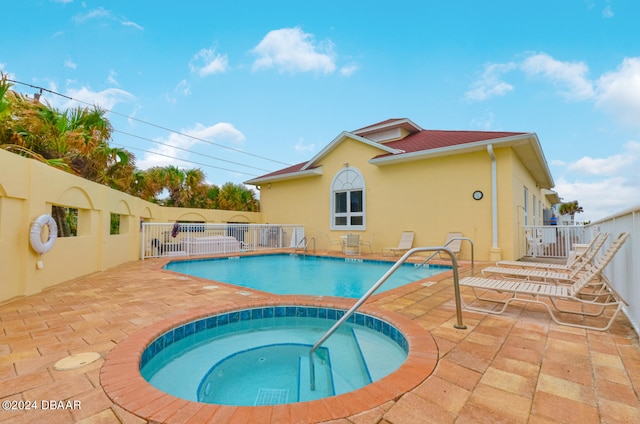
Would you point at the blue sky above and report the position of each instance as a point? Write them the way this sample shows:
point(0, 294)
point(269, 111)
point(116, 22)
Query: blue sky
point(242, 88)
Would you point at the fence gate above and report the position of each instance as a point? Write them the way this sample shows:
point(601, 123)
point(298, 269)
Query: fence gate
point(552, 241)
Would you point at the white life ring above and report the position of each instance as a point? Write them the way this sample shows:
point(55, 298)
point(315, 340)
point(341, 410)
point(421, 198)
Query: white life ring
point(36, 229)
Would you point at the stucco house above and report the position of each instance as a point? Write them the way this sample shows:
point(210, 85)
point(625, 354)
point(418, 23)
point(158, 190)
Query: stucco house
point(393, 176)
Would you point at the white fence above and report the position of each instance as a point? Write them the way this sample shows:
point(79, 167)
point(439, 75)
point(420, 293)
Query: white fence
point(553, 241)
point(191, 239)
point(624, 270)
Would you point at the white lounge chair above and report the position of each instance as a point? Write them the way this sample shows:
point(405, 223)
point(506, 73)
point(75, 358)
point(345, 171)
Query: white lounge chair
point(368, 243)
point(454, 244)
point(590, 296)
point(405, 243)
point(351, 244)
point(587, 255)
point(556, 276)
point(333, 242)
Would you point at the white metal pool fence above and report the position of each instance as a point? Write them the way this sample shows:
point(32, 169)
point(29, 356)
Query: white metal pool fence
point(191, 239)
point(552, 241)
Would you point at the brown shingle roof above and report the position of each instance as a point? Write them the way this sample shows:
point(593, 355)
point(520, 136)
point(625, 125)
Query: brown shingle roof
point(435, 139)
point(422, 140)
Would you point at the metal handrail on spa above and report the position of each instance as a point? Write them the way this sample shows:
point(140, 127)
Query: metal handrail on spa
point(456, 288)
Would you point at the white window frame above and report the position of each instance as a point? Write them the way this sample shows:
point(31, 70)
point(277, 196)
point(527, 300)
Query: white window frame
point(348, 180)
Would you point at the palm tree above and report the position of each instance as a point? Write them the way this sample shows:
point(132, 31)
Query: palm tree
point(173, 179)
point(77, 141)
point(570, 208)
point(236, 197)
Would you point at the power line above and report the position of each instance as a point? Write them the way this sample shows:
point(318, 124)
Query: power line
point(189, 151)
point(185, 160)
point(150, 123)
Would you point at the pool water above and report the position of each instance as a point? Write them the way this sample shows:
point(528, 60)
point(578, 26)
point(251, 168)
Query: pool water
point(304, 274)
point(261, 356)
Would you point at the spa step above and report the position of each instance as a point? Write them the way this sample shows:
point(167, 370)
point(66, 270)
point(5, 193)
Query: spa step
point(324, 384)
point(366, 348)
point(376, 361)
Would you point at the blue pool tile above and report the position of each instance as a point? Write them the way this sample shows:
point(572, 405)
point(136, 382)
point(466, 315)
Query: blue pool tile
point(189, 329)
point(257, 313)
point(212, 322)
point(245, 315)
point(200, 325)
point(178, 333)
point(249, 315)
point(167, 338)
point(368, 322)
point(386, 329)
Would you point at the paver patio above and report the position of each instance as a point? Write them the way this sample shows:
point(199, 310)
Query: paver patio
point(517, 367)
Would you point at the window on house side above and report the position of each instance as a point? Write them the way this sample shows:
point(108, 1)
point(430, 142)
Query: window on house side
point(348, 202)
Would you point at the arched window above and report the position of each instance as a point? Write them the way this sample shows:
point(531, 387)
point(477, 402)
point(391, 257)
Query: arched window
point(348, 200)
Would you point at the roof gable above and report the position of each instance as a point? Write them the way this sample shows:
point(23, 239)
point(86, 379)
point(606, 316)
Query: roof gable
point(385, 149)
point(417, 143)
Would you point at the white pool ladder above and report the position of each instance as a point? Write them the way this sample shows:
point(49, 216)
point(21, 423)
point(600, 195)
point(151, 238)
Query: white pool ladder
point(304, 243)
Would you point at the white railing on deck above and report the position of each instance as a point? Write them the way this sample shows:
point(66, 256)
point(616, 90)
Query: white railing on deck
point(624, 270)
point(552, 241)
point(192, 239)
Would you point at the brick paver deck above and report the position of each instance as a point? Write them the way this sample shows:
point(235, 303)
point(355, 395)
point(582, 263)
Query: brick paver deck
point(517, 367)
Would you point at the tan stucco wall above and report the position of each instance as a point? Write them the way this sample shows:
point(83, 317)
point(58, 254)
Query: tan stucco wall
point(29, 188)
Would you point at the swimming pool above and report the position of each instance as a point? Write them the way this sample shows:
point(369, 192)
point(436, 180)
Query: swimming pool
point(304, 274)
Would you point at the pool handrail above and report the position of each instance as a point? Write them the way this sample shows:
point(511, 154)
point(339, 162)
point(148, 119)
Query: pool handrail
point(456, 287)
point(446, 244)
point(305, 245)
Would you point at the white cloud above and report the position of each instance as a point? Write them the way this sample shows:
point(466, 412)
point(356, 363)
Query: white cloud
point(105, 99)
point(301, 147)
point(602, 186)
point(570, 75)
point(348, 70)
point(170, 153)
point(485, 122)
point(102, 13)
point(111, 78)
point(183, 88)
point(131, 24)
point(94, 14)
point(207, 62)
point(599, 198)
point(607, 12)
point(292, 50)
point(490, 83)
point(619, 92)
point(70, 64)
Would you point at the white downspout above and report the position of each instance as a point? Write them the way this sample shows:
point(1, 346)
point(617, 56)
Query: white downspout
point(494, 196)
